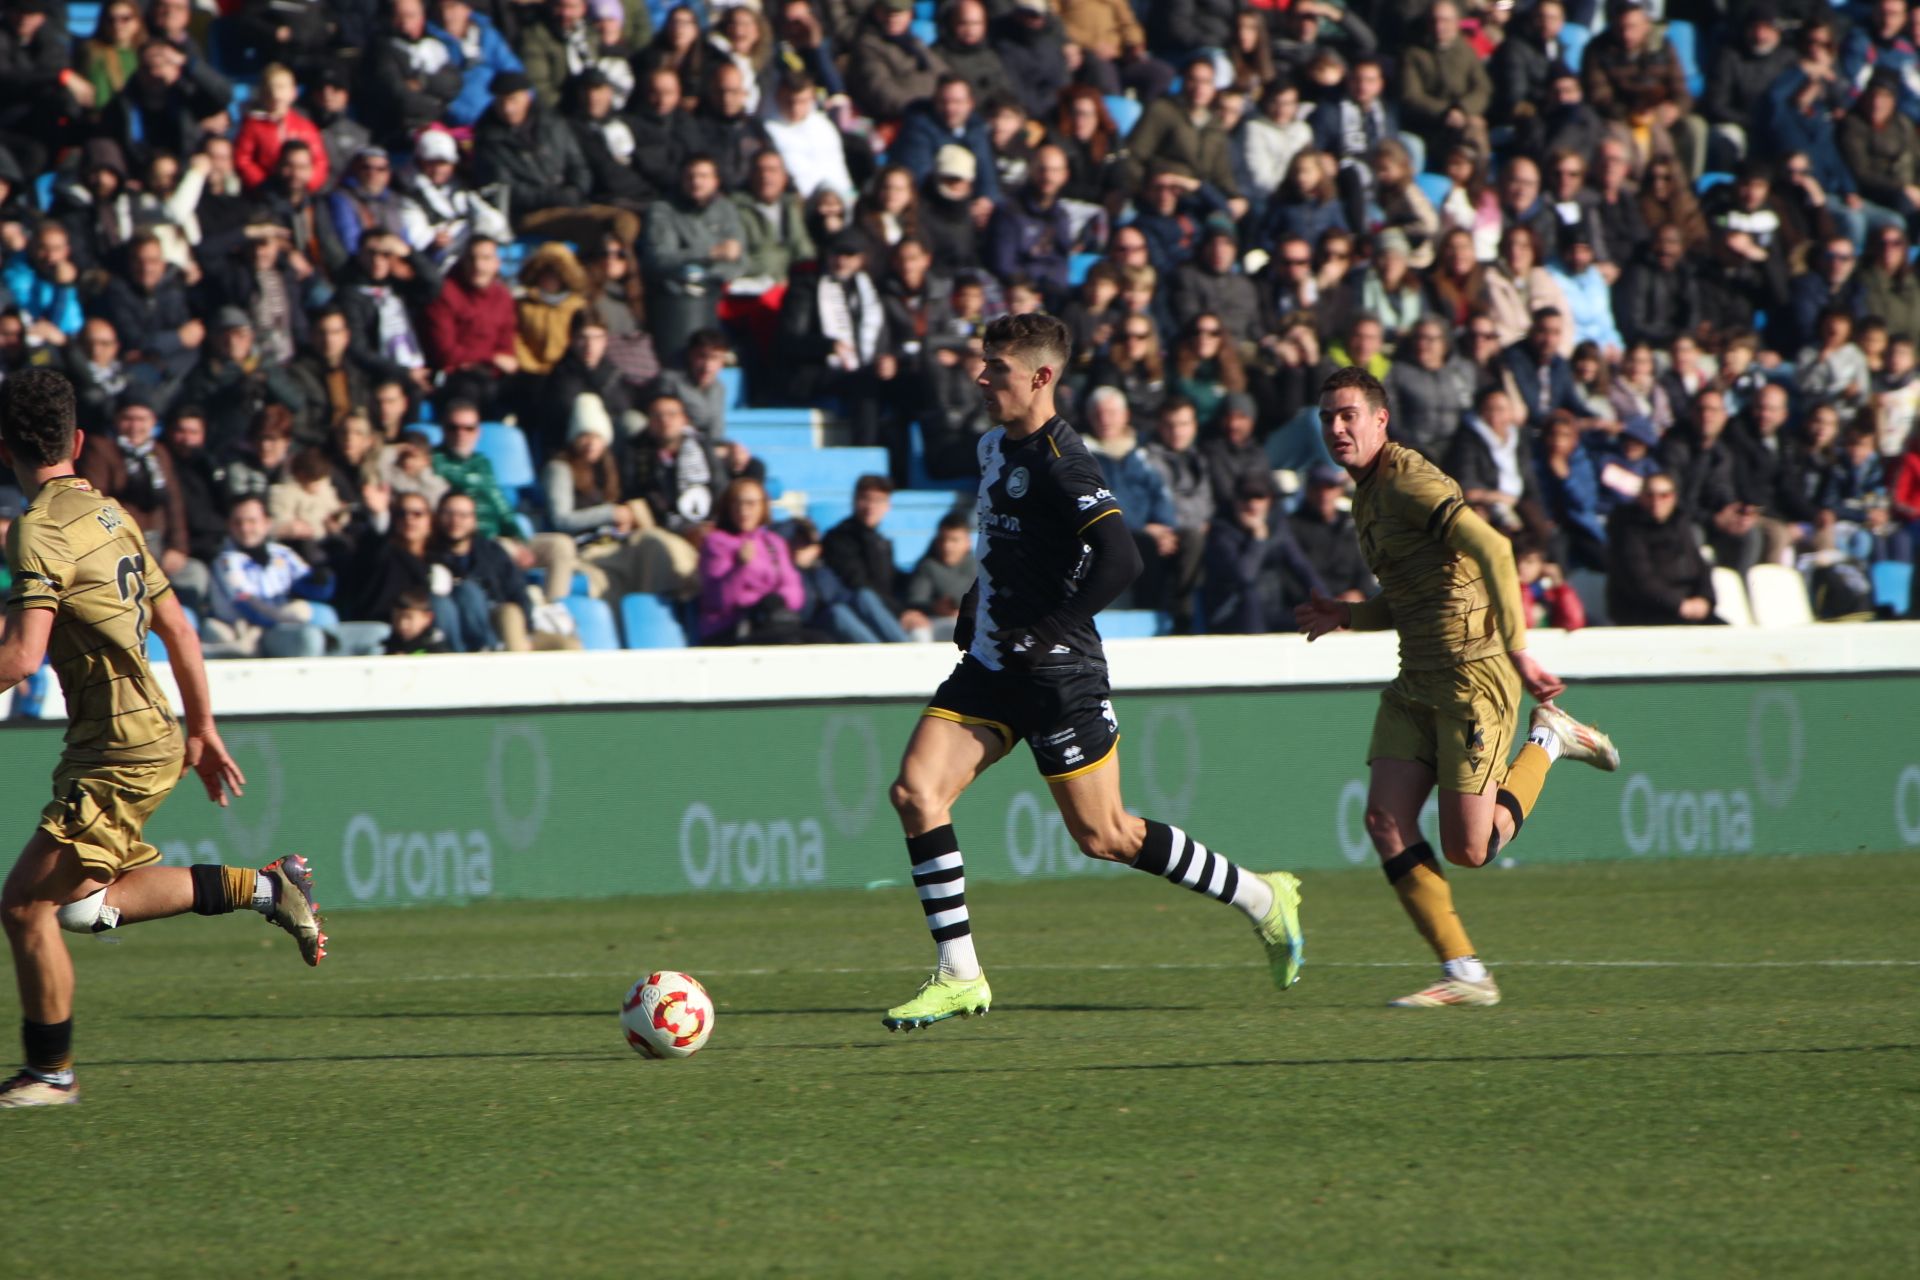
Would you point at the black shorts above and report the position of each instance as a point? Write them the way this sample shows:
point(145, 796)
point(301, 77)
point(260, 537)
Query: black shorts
point(1064, 711)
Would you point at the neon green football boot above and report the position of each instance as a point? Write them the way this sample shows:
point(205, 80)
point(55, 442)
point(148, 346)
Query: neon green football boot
point(1279, 930)
point(940, 997)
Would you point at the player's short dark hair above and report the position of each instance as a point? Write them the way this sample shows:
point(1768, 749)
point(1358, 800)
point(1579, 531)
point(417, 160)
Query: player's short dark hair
point(1356, 378)
point(37, 416)
point(1037, 339)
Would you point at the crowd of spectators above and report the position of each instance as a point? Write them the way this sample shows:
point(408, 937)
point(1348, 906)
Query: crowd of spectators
point(1637, 273)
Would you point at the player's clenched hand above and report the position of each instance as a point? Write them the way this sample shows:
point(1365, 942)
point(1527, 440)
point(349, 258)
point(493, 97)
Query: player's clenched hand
point(1034, 642)
point(1540, 682)
point(207, 756)
point(1319, 616)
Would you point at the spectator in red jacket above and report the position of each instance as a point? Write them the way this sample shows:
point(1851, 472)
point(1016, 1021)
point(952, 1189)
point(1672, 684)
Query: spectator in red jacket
point(471, 326)
point(270, 127)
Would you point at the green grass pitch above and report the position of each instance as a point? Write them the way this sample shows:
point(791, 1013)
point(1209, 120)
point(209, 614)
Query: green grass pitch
point(1685, 1081)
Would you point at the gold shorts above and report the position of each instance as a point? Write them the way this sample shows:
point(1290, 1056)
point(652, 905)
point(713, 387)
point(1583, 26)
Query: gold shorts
point(1457, 721)
point(101, 810)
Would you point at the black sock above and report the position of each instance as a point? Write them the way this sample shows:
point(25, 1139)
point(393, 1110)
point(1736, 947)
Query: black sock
point(209, 891)
point(1172, 854)
point(48, 1045)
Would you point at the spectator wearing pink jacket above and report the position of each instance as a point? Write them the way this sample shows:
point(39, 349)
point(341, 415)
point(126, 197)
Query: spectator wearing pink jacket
point(750, 592)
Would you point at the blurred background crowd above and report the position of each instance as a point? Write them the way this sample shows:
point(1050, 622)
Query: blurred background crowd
point(418, 326)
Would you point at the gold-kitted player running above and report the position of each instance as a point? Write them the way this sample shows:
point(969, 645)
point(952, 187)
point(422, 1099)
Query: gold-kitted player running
point(1448, 586)
point(85, 592)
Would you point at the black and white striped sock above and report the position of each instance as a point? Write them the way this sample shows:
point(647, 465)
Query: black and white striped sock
point(940, 878)
point(1173, 854)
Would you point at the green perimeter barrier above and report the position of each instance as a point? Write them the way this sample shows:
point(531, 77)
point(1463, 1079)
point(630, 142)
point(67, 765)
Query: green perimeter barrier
point(449, 807)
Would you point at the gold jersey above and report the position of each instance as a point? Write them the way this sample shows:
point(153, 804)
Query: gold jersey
point(1404, 511)
point(80, 555)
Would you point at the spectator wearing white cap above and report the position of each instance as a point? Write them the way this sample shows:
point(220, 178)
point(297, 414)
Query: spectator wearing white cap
point(439, 211)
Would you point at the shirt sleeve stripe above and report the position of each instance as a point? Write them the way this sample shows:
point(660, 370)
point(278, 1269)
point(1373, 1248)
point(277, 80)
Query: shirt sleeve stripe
point(1110, 511)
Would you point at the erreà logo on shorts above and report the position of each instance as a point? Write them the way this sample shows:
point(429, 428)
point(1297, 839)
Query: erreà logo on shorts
point(1017, 483)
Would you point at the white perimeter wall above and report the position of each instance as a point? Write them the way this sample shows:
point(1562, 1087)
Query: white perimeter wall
point(831, 672)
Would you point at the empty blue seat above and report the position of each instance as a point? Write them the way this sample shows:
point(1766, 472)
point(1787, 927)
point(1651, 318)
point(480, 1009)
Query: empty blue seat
point(1129, 624)
point(506, 448)
point(650, 624)
point(1435, 186)
point(924, 29)
point(735, 382)
point(431, 430)
point(1573, 44)
point(83, 18)
point(823, 472)
point(1686, 47)
point(594, 621)
point(1078, 266)
point(761, 438)
point(1126, 113)
point(1893, 587)
point(1708, 181)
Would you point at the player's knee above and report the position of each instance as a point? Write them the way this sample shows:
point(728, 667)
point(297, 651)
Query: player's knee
point(912, 802)
point(1384, 827)
point(1475, 855)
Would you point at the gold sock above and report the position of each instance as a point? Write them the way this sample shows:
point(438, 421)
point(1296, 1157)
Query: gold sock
point(1415, 876)
point(237, 883)
point(1525, 776)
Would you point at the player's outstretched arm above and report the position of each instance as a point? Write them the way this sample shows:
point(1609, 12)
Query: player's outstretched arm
point(25, 647)
point(1321, 616)
point(1480, 542)
point(206, 753)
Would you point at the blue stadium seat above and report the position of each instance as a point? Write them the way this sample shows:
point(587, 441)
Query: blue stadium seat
point(759, 437)
point(594, 619)
point(1708, 181)
point(43, 190)
point(83, 19)
point(1131, 624)
point(925, 10)
point(513, 256)
point(924, 29)
point(578, 587)
point(242, 95)
point(506, 448)
point(734, 379)
point(1078, 266)
point(828, 512)
point(932, 503)
point(1573, 44)
point(323, 614)
point(1126, 113)
point(823, 472)
point(650, 624)
point(1893, 587)
point(1435, 186)
point(1686, 46)
point(431, 430)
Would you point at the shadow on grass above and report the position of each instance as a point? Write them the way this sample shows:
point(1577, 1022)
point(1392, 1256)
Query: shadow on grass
point(726, 1011)
point(1409, 1060)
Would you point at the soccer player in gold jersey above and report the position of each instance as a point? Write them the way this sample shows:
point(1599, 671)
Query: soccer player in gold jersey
point(85, 593)
point(1448, 586)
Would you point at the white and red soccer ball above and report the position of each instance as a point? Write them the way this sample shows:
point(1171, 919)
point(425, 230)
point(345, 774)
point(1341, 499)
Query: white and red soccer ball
point(667, 1015)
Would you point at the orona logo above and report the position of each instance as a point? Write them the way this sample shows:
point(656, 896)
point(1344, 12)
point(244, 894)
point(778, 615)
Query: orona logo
point(1906, 804)
point(414, 864)
point(717, 854)
point(1720, 819)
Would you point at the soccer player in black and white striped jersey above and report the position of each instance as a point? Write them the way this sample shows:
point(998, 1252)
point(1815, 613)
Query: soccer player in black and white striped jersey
point(1053, 552)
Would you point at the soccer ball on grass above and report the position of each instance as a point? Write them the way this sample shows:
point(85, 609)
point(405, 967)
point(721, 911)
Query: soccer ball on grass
point(667, 1015)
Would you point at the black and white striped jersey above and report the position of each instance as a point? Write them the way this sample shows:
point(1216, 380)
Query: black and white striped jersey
point(1037, 498)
